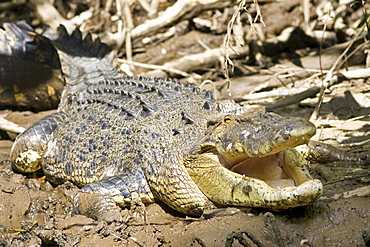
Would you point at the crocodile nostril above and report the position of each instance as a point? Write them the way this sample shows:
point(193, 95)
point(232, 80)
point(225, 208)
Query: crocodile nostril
point(288, 128)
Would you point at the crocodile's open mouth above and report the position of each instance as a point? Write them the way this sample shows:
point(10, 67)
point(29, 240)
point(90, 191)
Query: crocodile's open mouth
point(250, 160)
point(276, 169)
point(277, 181)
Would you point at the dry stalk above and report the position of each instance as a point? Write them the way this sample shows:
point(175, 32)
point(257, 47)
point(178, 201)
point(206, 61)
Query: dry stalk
point(234, 26)
point(326, 82)
point(129, 27)
point(121, 34)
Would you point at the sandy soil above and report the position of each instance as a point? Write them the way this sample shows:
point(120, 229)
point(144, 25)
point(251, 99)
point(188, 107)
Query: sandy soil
point(34, 213)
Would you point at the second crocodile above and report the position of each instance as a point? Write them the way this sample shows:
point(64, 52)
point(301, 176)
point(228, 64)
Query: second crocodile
point(123, 139)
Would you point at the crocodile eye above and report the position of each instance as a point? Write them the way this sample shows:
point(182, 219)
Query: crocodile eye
point(227, 119)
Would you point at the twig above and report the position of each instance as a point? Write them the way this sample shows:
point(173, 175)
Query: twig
point(270, 94)
point(358, 48)
point(129, 26)
point(205, 82)
point(10, 126)
point(320, 152)
point(346, 179)
point(235, 26)
point(191, 62)
point(227, 63)
point(201, 60)
point(199, 241)
point(154, 5)
point(329, 75)
point(160, 36)
point(361, 191)
point(306, 13)
point(121, 34)
point(239, 236)
point(270, 222)
point(136, 241)
point(83, 17)
point(152, 66)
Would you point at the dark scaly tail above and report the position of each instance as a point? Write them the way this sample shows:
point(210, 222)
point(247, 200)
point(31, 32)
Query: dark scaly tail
point(30, 71)
point(84, 61)
point(32, 64)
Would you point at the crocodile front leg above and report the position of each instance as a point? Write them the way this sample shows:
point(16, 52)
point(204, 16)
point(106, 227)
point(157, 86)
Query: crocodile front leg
point(172, 185)
point(100, 200)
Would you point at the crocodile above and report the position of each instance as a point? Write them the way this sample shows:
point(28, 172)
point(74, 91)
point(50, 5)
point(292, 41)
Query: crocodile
point(125, 139)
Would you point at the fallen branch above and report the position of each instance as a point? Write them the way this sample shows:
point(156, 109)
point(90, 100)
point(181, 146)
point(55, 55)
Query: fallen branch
point(154, 67)
point(50, 16)
point(352, 74)
point(198, 61)
point(173, 14)
point(10, 126)
point(294, 99)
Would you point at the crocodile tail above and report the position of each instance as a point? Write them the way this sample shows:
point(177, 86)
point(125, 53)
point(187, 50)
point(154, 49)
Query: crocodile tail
point(30, 74)
point(20, 41)
point(84, 60)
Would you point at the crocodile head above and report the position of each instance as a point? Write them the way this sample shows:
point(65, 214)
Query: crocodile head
point(254, 145)
point(255, 153)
